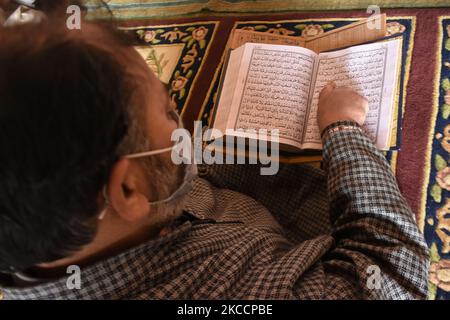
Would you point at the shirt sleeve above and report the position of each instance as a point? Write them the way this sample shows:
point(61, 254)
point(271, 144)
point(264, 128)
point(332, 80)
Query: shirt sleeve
point(377, 244)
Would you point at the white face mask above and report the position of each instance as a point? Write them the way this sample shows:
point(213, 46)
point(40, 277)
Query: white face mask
point(183, 189)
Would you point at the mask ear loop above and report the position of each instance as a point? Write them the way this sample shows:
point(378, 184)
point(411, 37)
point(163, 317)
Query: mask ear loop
point(148, 153)
point(155, 152)
point(105, 196)
point(131, 156)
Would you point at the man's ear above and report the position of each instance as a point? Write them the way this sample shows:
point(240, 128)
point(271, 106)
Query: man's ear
point(124, 196)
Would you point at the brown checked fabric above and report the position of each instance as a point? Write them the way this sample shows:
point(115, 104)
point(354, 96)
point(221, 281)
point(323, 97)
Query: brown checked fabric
point(304, 233)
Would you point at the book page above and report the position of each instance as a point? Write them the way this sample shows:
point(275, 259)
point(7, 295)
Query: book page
point(274, 86)
point(232, 62)
point(359, 32)
point(227, 88)
point(369, 69)
point(240, 37)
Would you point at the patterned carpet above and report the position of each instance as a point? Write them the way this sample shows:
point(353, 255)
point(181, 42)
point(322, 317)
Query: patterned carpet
point(132, 9)
point(187, 53)
point(435, 211)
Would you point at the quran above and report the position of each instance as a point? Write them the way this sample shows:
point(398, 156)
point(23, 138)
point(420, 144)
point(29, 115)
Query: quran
point(277, 86)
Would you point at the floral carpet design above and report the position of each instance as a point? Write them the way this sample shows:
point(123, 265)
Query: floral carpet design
point(403, 26)
point(436, 196)
point(176, 54)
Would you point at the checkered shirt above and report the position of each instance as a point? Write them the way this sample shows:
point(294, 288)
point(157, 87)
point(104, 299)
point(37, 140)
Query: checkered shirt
point(344, 232)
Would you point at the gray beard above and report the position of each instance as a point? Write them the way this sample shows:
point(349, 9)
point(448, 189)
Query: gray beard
point(164, 178)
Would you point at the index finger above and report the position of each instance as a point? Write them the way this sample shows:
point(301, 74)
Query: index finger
point(330, 86)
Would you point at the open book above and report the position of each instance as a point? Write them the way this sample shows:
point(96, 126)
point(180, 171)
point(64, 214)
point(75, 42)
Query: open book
point(269, 86)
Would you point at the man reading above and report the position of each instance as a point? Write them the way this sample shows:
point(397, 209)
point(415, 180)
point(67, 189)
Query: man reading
point(87, 183)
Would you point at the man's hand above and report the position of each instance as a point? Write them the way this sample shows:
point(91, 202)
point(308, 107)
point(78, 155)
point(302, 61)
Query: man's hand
point(340, 104)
